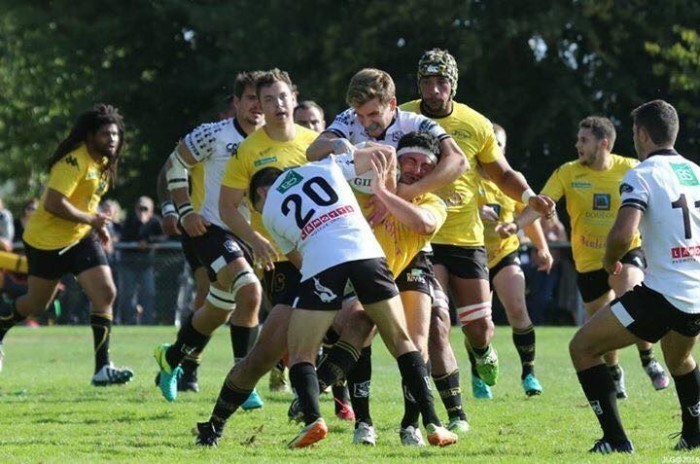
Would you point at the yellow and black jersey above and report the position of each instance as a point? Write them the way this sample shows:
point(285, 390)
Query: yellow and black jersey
point(401, 244)
point(83, 181)
point(474, 134)
point(496, 247)
point(259, 151)
point(592, 201)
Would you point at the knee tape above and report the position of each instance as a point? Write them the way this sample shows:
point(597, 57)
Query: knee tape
point(242, 279)
point(475, 312)
point(221, 299)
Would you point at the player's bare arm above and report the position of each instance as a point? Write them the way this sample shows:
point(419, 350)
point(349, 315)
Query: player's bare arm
point(620, 238)
point(325, 144)
point(229, 201)
point(58, 204)
point(167, 207)
point(176, 172)
point(544, 258)
point(453, 163)
point(414, 217)
point(513, 184)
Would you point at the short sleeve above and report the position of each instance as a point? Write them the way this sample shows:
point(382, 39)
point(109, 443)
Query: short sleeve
point(554, 188)
point(634, 191)
point(65, 175)
point(342, 123)
point(283, 244)
point(200, 142)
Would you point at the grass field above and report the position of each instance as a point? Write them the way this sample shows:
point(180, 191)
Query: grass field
point(50, 413)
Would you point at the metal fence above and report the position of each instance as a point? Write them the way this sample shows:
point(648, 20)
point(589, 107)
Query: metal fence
point(553, 299)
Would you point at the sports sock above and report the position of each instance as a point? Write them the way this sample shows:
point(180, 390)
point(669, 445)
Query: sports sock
point(230, 399)
point(8, 320)
point(646, 356)
point(101, 325)
point(599, 389)
point(341, 395)
point(688, 390)
point(188, 341)
point(415, 375)
point(524, 341)
point(302, 376)
point(451, 394)
point(335, 366)
point(411, 410)
point(241, 339)
point(359, 382)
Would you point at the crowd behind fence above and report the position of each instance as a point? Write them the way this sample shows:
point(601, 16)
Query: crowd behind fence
point(552, 299)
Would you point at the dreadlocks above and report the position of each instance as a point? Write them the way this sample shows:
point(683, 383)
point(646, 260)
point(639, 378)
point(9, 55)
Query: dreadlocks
point(90, 122)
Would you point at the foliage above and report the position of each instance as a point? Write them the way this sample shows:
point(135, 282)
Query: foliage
point(536, 67)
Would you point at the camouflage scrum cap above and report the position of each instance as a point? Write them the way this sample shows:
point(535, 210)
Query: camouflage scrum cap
point(437, 62)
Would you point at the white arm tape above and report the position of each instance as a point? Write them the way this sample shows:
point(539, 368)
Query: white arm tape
point(527, 194)
point(176, 174)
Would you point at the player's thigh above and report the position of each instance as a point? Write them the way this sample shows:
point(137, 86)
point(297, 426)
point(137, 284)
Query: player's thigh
point(602, 333)
point(306, 331)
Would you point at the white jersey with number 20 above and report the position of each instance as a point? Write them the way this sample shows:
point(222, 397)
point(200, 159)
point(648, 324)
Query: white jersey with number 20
point(312, 208)
point(666, 188)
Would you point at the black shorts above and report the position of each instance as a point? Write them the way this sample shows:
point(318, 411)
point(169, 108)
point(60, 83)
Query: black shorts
point(215, 249)
point(417, 276)
point(594, 284)
point(188, 250)
point(281, 285)
point(370, 278)
point(50, 265)
point(508, 260)
point(463, 262)
point(650, 316)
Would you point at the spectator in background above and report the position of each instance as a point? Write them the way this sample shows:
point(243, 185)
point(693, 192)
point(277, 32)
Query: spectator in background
point(7, 228)
point(137, 273)
point(310, 115)
point(21, 222)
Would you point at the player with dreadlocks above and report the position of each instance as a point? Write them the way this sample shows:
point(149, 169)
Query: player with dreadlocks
point(66, 233)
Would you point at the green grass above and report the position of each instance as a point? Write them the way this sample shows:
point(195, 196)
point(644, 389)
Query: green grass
point(50, 413)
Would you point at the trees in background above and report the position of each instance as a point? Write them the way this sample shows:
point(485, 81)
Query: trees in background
point(537, 67)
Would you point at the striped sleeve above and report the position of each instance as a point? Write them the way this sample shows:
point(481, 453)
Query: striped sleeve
point(634, 191)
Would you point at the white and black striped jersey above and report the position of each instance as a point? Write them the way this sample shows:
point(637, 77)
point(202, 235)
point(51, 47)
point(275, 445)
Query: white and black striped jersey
point(666, 188)
point(312, 208)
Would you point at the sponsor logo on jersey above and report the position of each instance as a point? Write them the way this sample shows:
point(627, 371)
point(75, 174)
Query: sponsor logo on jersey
point(71, 161)
point(396, 136)
point(685, 174)
point(625, 188)
point(324, 293)
point(601, 201)
point(685, 252)
point(261, 161)
point(592, 242)
point(92, 174)
point(581, 185)
point(324, 218)
point(232, 148)
point(290, 180)
point(461, 134)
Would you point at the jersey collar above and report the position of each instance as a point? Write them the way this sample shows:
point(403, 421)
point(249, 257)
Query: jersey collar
point(663, 151)
point(238, 128)
point(393, 120)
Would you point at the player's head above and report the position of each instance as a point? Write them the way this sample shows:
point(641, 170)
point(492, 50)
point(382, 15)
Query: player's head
point(595, 139)
point(101, 129)
point(655, 126)
point(372, 94)
point(276, 93)
point(418, 153)
point(245, 100)
point(437, 80)
point(501, 137)
point(259, 185)
point(310, 115)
